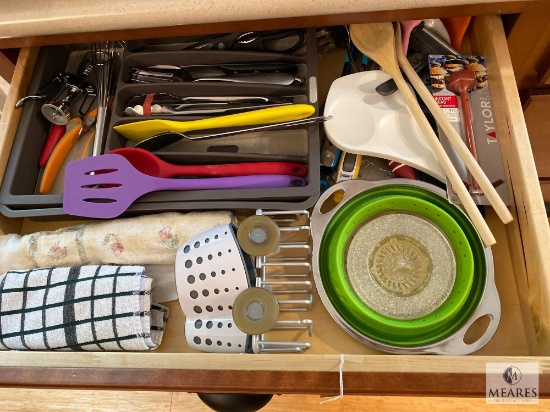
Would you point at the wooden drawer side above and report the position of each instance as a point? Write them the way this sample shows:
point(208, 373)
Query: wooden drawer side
point(528, 235)
point(10, 120)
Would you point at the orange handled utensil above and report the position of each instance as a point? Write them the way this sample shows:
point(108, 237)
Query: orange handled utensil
point(457, 27)
point(76, 127)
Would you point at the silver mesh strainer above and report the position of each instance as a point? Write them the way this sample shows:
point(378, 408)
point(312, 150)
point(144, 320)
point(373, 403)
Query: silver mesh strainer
point(401, 265)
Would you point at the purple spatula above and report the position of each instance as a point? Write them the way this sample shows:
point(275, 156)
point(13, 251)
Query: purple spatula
point(123, 184)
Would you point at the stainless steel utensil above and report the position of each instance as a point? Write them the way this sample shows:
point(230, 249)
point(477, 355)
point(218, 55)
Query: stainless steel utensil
point(167, 104)
point(418, 61)
point(162, 140)
point(170, 99)
point(425, 41)
point(264, 78)
point(283, 79)
point(207, 70)
point(50, 89)
point(57, 109)
point(106, 63)
point(197, 109)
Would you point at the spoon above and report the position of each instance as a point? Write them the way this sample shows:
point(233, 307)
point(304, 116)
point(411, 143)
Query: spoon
point(377, 41)
point(162, 140)
point(401, 170)
point(149, 164)
point(138, 131)
point(454, 138)
point(389, 87)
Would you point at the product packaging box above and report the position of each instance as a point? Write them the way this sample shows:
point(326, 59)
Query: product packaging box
point(460, 87)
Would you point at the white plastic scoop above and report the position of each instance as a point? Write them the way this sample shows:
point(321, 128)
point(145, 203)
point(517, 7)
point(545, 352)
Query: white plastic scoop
point(367, 123)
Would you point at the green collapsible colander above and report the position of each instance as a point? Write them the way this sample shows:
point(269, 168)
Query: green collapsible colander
point(382, 325)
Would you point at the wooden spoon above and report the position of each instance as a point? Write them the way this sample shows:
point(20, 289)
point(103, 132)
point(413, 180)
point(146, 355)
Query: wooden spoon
point(454, 138)
point(401, 170)
point(377, 41)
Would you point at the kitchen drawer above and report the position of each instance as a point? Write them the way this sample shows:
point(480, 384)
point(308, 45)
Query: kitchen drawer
point(522, 272)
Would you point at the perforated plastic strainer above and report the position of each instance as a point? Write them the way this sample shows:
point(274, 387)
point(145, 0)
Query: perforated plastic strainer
point(211, 271)
point(442, 329)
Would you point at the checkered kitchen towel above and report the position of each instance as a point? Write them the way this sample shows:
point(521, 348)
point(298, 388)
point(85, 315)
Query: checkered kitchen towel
point(81, 308)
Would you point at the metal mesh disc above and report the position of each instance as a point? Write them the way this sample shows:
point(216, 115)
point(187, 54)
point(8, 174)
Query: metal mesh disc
point(401, 265)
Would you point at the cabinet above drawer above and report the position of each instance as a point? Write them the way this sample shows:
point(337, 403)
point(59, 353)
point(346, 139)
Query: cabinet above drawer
point(27, 24)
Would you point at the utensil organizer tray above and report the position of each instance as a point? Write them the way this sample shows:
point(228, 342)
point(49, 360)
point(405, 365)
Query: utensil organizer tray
point(522, 271)
point(18, 195)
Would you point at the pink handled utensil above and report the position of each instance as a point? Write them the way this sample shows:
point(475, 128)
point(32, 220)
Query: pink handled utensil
point(457, 27)
point(149, 164)
point(85, 194)
point(408, 26)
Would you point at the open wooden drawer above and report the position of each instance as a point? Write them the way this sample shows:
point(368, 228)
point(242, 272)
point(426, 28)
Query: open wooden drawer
point(522, 271)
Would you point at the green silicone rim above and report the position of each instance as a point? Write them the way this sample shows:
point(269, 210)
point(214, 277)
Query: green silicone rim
point(470, 260)
point(459, 243)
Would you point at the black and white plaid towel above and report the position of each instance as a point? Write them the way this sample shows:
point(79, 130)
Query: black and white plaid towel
point(81, 308)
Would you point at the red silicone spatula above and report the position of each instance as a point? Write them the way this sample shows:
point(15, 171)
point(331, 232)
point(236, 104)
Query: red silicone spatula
point(462, 82)
point(56, 133)
point(149, 164)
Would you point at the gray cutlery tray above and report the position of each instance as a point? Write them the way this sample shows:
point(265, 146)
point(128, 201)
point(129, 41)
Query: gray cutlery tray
point(51, 213)
point(19, 188)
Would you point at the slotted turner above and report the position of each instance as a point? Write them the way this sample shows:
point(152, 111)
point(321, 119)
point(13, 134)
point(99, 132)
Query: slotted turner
point(84, 197)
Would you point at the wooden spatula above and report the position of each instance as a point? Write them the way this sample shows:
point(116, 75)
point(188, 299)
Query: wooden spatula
point(377, 41)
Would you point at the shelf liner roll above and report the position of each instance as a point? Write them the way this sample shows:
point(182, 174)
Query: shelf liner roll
point(152, 239)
